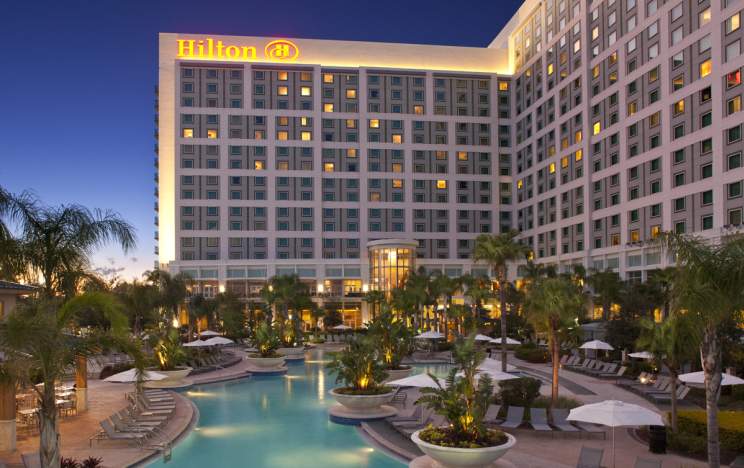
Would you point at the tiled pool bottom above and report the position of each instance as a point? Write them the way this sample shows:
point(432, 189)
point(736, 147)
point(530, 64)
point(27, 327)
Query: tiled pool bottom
point(276, 421)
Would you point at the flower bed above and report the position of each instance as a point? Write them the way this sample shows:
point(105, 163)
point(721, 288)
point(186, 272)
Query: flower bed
point(444, 437)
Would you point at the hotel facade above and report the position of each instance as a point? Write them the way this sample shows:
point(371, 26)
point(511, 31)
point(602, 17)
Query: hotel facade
point(589, 127)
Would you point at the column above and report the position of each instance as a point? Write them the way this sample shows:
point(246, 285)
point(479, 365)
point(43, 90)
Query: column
point(81, 383)
point(7, 417)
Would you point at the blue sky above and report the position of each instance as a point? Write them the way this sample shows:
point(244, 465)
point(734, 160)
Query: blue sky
point(77, 78)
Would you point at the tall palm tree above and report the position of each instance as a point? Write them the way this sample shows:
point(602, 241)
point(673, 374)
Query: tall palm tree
point(671, 343)
point(708, 289)
point(172, 289)
point(443, 288)
point(140, 301)
point(418, 287)
point(553, 306)
point(606, 286)
point(40, 341)
point(663, 281)
point(498, 251)
point(374, 300)
point(60, 239)
point(477, 289)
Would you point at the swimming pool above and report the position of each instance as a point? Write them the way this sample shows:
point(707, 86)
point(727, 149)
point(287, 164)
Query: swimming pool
point(274, 421)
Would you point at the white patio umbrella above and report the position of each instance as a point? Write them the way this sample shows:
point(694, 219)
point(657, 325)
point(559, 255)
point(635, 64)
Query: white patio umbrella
point(218, 340)
point(430, 335)
point(341, 327)
point(597, 344)
point(495, 364)
point(495, 374)
point(196, 344)
point(209, 333)
point(614, 413)
point(417, 380)
point(509, 341)
point(698, 378)
point(129, 376)
point(480, 337)
point(641, 355)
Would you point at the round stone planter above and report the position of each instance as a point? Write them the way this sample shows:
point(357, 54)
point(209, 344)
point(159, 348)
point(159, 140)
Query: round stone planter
point(292, 353)
point(353, 409)
point(451, 457)
point(395, 374)
point(266, 363)
point(173, 377)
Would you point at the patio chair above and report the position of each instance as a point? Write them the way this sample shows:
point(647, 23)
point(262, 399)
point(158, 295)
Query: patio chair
point(121, 426)
point(109, 432)
point(590, 458)
point(144, 404)
point(539, 420)
point(492, 414)
point(615, 374)
point(682, 392)
point(415, 415)
point(660, 387)
point(514, 417)
point(647, 463)
point(400, 397)
point(131, 412)
point(559, 421)
point(418, 423)
point(590, 428)
point(627, 383)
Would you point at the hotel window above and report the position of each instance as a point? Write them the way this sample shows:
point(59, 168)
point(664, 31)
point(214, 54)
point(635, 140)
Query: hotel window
point(419, 110)
point(259, 135)
point(328, 78)
point(327, 107)
point(282, 76)
point(706, 119)
point(704, 44)
point(282, 91)
point(596, 128)
point(282, 135)
point(397, 138)
point(374, 123)
point(733, 50)
point(351, 93)
point(441, 184)
point(188, 133)
point(732, 23)
point(733, 134)
point(306, 136)
point(734, 217)
point(733, 161)
point(305, 91)
point(212, 134)
point(258, 165)
point(704, 17)
point(707, 222)
point(707, 198)
point(328, 167)
point(679, 107)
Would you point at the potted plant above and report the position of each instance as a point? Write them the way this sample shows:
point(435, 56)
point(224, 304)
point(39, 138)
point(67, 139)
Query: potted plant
point(291, 345)
point(362, 374)
point(394, 341)
point(463, 401)
point(267, 341)
point(169, 355)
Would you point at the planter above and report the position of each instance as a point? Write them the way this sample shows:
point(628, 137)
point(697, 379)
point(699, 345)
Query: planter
point(451, 457)
point(362, 404)
point(266, 363)
point(292, 352)
point(173, 376)
point(395, 374)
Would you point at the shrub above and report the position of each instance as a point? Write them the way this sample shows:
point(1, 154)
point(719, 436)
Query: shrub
point(692, 433)
point(359, 368)
point(530, 352)
point(267, 341)
point(562, 402)
point(112, 369)
point(634, 368)
point(169, 353)
point(519, 392)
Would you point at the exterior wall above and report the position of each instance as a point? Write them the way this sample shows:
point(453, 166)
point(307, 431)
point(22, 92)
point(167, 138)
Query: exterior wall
point(588, 126)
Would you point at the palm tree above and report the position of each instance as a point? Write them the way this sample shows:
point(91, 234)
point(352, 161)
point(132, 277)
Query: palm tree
point(140, 301)
point(671, 343)
point(418, 289)
point(606, 286)
point(40, 342)
point(374, 299)
point(443, 288)
point(663, 280)
point(173, 289)
point(708, 289)
point(477, 289)
point(498, 251)
point(60, 239)
point(553, 306)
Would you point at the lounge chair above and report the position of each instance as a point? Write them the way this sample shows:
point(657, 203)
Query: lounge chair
point(122, 426)
point(590, 428)
point(415, 415)
point(682, 392)
point(607, 368)
point(419, 423)
point(647, 463)
point(660, 387)
point(590, 458)
point(492, 414)
point(539, 420)
point(514, 417)
point(564, 359)
point(643, 379)
point(109, 432)
point(613, 375)
point(559, 421)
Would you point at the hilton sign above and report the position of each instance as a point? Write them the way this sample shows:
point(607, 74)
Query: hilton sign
point(280, 50)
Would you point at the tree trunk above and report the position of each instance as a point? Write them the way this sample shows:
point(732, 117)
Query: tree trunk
point(605, 311)
point(49, 437)
point(674, 375)
point(502, 300)
point(710, 356)
point(555, 352)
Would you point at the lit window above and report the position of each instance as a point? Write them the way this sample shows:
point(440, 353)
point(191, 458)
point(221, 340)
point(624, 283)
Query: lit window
point(305, 91)
point(595, 71)
point(374, 123)
point(503, 86)
point(733, 105)
point(564, 162)
point(351, 93)
point(552, 168)
point(632, 108)
point(732, 24)
point(704, 17)
point(705, 68)
point(304, 121)
point(282, 76)
point(306, 136)
point(595, 32)
point(635, 235)
point(212, 133)
point(550, 69)
point(397, 167)
point(328, 167)
point(258, 135)
point(578, 136)
point(596, 128)
point(258, 165)
point(283, 121)
point(441, 184)
point(397, 183)
point(327, 107)
point(350, 123)
point(520, 184)
point(733, 79)
point(327, 78)
point(462, 155)
point(188, 133)
point(418, 110)
point(282, 91)
point(679, 106)
point(351, 152)
point(440, 155)
point(282, 135)
point(397, 138)
point(579, 154)
point(655, 231)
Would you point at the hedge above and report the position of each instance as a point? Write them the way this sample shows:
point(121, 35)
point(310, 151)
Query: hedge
point(692, 433)
point(531, 353)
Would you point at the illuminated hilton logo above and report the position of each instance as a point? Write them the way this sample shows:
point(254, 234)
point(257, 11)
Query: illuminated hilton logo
point(280, 50)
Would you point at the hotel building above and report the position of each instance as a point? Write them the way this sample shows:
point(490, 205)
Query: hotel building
point(587, 126)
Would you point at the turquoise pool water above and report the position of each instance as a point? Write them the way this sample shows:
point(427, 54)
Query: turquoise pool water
point(274, 421)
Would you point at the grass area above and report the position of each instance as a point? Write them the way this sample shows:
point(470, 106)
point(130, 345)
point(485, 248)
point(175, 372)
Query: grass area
point(562, 403)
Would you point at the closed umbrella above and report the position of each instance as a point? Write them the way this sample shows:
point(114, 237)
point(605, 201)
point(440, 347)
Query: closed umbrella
point(597, 344)
point(129, 376)
point(218, 340)
point(614, 413)
point(698, 378)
